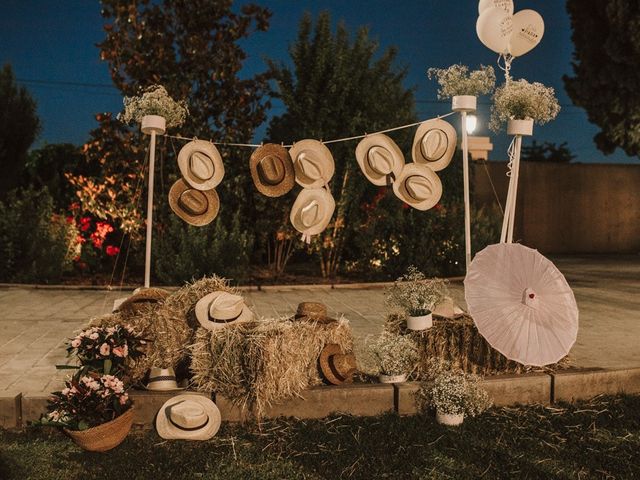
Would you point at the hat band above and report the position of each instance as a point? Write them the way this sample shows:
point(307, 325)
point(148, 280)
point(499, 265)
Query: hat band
point(187, 429)
point(219, 320)
point(162, 378)
point(335, 371)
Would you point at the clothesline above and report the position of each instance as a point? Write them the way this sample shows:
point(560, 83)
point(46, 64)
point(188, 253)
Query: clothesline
point(345, 139)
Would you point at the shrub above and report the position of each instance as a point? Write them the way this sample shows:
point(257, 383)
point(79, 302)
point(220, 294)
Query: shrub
point(455, 393)
point(36, 245)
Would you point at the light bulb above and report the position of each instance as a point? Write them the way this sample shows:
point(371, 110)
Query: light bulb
point(472, 122)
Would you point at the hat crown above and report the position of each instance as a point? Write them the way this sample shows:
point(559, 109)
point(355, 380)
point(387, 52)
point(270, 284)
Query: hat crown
point(271, 170)
point(344, 364)
point(311, 164)
point(201, 165)
point(194, 202)
point(226, 306)
point(310, 213)
point(380, 160)
point(161, 372)
point(188, 415)
point(434, 144)
point(418, 187)
point(312, 310)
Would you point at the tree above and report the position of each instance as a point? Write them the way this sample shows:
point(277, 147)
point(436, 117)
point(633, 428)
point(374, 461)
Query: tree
point(547, 152)
point(19, 127)
point(606, 36)
point(338, 87)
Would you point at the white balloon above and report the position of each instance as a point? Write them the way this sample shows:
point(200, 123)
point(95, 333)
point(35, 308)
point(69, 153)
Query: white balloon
point(506, 5)
point(494, 27)
point(528, 29)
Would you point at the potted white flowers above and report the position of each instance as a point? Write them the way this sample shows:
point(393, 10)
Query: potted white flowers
point(155, 110)
point(416, 297)
point(455, 395)
point(463, 86)
point(395, 356)
point(520, 104)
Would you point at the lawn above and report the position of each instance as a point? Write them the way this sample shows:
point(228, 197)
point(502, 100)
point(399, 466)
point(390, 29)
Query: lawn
point(596, 439)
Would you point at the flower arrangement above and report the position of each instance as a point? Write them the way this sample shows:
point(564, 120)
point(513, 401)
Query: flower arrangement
point(154, 101)
point(416, 295)
point(87, 401)
point(521, 100)
point(394, 354)
point(455, 393)
point(457, 80)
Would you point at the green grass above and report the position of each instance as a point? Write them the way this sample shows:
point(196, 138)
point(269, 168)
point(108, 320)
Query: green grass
point(598, 439)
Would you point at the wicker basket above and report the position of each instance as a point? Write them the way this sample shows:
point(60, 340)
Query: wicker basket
point(104, 437)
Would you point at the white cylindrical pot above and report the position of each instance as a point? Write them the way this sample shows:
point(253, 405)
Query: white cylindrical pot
point(520, 127)
point(392, 378)
point(449, 419)
point(464, 103)
point(153, 123)
point(420, 323)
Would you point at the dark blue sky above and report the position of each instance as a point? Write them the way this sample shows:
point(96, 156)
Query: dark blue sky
point(48, 41)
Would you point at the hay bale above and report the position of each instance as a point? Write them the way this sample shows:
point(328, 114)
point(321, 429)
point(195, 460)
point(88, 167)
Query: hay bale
point(458, 344)
point(257, 364)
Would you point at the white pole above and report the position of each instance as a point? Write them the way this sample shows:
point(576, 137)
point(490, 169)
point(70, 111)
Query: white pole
point(515, 173)
point(147, 257)
point(507, 211)
point(467, 202)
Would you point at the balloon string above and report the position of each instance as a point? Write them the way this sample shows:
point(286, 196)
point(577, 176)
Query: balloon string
point(511, 152)
point(506, 59)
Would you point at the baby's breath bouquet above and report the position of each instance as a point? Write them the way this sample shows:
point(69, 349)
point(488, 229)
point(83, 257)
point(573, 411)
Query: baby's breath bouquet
point(154, 101)
point(415, 295)
point(455, 393)
point(458, 80)
point(521, 100)
point(394, 354)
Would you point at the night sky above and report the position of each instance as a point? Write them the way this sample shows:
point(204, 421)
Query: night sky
point(50, 44)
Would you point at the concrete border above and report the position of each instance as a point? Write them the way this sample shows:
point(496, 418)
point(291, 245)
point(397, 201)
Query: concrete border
point(570, 386)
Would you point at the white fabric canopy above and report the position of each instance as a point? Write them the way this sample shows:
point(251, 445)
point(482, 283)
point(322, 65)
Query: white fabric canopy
point(521, 304)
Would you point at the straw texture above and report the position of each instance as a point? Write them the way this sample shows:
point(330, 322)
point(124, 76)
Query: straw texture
point(103, 437)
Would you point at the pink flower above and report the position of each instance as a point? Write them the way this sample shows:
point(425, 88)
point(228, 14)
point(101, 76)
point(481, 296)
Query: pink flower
point(93, 336)
point(105, 349)
point(124, 399)
point(121, 351)
point(66, 391)
point(75, 343)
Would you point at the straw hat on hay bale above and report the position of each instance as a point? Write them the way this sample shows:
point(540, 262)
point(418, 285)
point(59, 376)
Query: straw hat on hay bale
point(260, 363)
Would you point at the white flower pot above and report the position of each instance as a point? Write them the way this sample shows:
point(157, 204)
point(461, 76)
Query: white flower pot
point(449, 419)
point(153, 123)
point(392, 378)
point(420, 323)
point(520, 127)
point(464, 103)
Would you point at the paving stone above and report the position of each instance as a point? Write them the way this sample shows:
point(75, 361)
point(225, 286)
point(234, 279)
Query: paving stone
point(33, 405)
point(584, 384)
point(10, 409)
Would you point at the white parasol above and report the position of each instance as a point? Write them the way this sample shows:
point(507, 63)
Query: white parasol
point(521, 304)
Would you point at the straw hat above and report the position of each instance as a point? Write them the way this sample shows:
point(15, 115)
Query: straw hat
point(201, 165)
point(272, 170)
point(217, 309)
point(162, 380)
point(188, 417)
point(418, 186)
point(142, 296)
point(380, 159)
point(313, 312)
point(434, 144)
point(313, 163)
point(312, 211)
point(337, 367)
point(196, 207)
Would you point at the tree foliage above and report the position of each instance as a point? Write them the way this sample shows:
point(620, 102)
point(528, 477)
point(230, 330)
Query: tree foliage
point(19, 127)
point(547, 152)
point(606, 78)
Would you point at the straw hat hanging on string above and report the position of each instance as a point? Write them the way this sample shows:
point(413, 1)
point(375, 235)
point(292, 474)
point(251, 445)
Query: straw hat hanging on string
point(313, 163)
point(434, 144)
point(418, 186)
point(194, 206)
point(272, 170)
point(312, 211)
point(219, 309)
point(201, 165)
point(380, 159)
point(188, 417)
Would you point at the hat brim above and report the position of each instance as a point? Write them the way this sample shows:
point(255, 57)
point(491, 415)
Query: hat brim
point(210, 150)
point(401, 192)
point(308, 194)
point(207, 217)
point(447, 156)
point(202, 313)
point(322, 150)
point(325, 367)
point(289, 179)
point(146, 295)
point(169, 431)
point(378, 140)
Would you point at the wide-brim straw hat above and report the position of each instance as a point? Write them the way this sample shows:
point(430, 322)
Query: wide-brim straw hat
point(188, 417)
point(313, 312)
point(434, 144)
point(336, 366)
point(218, 309)
point(162, 380)
point(201, 165)
point(418, 186)
point(196, 207)
point(312, 162)
point(142, 296)
point(380, 159)
point(312, 210)
point(272, 170)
